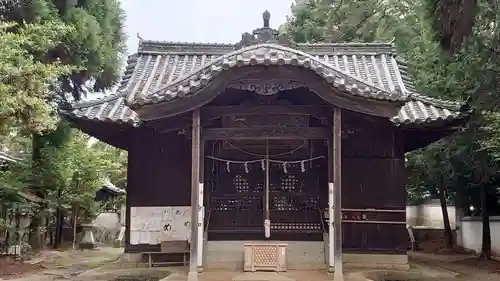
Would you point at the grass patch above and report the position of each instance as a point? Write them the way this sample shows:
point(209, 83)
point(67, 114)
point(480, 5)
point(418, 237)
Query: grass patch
point(153, 276)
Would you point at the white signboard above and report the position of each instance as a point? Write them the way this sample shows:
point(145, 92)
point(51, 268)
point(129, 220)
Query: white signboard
point(151, 225)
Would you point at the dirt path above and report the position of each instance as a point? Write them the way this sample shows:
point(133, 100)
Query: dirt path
point(467, 266)
point(65, 265)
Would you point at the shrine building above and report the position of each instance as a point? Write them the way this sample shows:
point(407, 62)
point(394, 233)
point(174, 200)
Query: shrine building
point(279, 145)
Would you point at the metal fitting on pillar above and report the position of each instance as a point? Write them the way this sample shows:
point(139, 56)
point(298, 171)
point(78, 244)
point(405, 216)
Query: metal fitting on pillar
point(267, 228)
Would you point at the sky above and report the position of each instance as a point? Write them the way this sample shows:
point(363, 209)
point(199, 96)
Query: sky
point(199, 21)
point(202, 21)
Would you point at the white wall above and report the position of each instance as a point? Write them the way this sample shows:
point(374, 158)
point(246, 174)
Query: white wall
point(110, 219)
point(107, 226)
point(429, 215)
point(471, 231)
point(107, 220)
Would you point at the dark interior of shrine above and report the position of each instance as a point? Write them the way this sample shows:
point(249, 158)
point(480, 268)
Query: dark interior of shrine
point(235, 172)
point(236, 189)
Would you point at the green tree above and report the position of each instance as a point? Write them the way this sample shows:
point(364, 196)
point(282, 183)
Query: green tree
point(469, 35)
point(93, 49)
point(27, 81)
point(452, 51)
point(76, 171)
point(345, 21)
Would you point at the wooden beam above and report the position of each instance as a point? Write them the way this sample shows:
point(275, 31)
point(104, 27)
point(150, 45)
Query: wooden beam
point(217, 111)
point(271, 133)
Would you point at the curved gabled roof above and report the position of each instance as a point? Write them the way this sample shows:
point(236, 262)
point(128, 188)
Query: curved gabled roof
point(176, 60)
point(169, 71)
point(377, 83)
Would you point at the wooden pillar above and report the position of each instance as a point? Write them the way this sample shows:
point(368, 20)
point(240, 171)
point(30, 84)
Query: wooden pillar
point(331, 237)
point(195, 184)
point(337, 191)
point(201, 206)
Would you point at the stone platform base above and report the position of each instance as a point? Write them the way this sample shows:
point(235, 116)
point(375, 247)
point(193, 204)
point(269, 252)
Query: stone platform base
point(301, 255)
point(229, 255)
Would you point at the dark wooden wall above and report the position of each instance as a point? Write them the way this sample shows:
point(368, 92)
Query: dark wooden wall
point(373, 177)
point(159, 174)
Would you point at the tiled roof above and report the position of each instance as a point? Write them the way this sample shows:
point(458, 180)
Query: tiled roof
point(5, 157)
point(160, 69)
point(167, 71)
point(165, 77)
point(108, 109)
point(109, 186)
point(420, 109)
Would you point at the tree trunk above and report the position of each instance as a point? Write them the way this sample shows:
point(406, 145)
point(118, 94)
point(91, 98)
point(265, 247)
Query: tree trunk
point(448, 234)
point(59, 228)
point(49, 232)
point(59, 220)
point(37, 220)
point(486, 239)
point(75, 216)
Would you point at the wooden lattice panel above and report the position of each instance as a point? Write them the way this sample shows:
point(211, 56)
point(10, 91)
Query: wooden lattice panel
point(265, 257)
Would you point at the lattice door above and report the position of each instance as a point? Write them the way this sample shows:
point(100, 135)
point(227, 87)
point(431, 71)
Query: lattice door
point(294, 200)
point(237, 200)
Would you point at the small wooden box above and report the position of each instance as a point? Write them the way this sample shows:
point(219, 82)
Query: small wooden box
point(265, 257)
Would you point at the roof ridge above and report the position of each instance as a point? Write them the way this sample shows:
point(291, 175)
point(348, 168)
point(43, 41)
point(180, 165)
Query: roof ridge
point(351, 44)
point(153, 46)
point(146, 46)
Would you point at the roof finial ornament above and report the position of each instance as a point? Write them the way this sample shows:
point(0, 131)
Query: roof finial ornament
point(266, 16)
point(264, 35)
point(139, 37)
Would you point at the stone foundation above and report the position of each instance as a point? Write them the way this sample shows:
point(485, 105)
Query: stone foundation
point(301, 255)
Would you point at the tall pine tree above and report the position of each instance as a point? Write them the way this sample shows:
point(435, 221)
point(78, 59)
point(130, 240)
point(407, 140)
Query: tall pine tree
point(94, 49)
